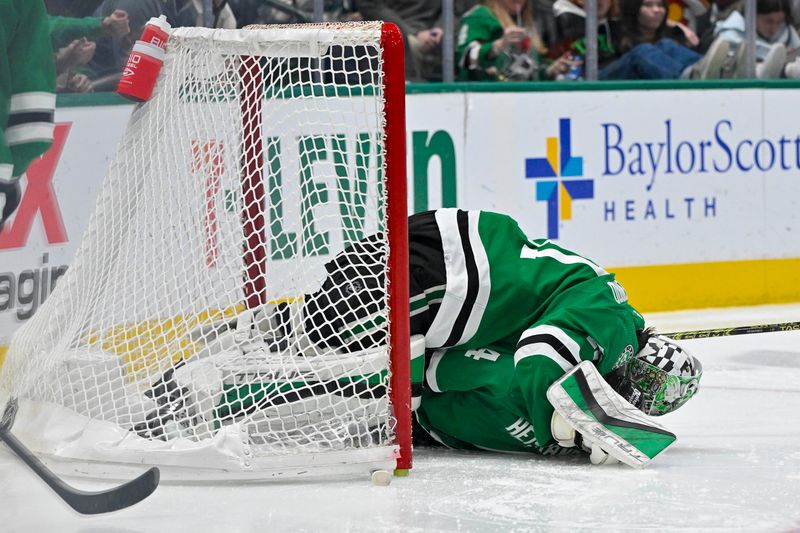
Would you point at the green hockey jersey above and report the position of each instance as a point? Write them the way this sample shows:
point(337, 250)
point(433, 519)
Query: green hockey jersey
point(503, 318)
point(27, 85)
point(479, 29)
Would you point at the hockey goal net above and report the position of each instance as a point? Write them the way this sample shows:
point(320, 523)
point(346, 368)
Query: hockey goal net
point(262, 154)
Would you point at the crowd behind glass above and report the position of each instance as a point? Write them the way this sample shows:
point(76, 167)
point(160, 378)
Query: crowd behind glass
point(473, 40)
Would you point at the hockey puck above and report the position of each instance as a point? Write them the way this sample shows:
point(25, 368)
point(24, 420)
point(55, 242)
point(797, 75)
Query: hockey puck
point(381, 478)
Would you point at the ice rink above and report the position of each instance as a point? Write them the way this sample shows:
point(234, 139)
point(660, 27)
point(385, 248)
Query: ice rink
point(736, 466)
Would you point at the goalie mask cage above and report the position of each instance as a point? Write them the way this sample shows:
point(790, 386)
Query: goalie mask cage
point(263, 153)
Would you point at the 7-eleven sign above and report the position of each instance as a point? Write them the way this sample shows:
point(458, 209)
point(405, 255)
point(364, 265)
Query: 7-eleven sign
point(39, 199)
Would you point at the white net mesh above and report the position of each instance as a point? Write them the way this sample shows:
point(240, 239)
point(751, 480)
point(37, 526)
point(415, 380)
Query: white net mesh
point(176, 337)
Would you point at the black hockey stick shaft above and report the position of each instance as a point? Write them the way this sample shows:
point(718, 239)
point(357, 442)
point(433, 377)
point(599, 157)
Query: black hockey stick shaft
point(739, 330)
point(84, 502)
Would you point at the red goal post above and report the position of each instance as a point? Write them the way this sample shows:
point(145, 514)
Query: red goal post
point(395, 146)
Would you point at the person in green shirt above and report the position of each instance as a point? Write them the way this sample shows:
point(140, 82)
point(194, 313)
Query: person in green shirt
point(498, 41)
point(64, 30)
point(27, 99)
point(73, 39)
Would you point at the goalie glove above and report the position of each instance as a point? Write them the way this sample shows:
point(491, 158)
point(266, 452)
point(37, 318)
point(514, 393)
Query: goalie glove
point(349, 310)
point(568, 437)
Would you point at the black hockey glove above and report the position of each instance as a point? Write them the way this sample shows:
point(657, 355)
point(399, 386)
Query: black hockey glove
point(347, 312)
point(11, 194)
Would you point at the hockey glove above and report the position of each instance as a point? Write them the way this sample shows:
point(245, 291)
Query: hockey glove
point(568, 437)
point(11, 194)
point(349, 310)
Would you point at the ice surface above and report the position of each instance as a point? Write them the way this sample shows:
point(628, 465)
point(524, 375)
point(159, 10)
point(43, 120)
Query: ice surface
point(736, 466)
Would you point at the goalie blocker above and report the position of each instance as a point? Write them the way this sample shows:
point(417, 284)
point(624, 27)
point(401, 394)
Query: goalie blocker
point(590, 414)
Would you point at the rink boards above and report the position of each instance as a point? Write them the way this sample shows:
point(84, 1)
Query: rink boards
point(690, 196)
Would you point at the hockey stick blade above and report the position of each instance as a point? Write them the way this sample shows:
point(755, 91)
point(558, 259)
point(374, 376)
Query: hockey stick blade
point(738, 330)
point(85, 502)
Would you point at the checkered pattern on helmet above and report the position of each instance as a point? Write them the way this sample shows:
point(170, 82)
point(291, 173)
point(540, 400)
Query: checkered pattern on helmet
point(663, 353)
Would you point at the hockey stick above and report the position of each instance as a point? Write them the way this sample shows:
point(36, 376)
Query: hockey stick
point(739, 330)
point(83, 502)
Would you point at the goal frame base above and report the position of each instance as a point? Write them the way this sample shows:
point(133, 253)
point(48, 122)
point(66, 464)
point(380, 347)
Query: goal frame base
point(96, 449)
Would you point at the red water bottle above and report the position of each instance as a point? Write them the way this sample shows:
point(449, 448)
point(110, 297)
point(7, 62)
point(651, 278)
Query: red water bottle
point(140, 73)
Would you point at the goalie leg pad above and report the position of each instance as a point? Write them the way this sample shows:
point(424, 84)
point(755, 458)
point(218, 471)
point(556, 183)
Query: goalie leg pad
point(589, 404)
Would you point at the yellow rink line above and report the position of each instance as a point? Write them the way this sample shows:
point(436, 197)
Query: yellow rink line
point(718, 284)
point(700, 285)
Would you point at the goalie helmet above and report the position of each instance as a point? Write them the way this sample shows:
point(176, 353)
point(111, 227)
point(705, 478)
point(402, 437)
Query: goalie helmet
point(660, 378)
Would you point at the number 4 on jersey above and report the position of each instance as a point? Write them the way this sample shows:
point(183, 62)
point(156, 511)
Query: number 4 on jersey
point(482, 353)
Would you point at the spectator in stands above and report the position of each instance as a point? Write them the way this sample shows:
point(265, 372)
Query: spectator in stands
point(570, 19)
point(546, 22)
point(420, 21)
point(498, 40)
point(246, 11)
point(686, 13)
point(78, 52)
point(291, 11)
point(72, 8)
point(64, 30)
point(113, 51)
point(775, 36)
point(718, 11)
point(652, 49)
point(70, 60)
point(191, 14)
point(72, 40)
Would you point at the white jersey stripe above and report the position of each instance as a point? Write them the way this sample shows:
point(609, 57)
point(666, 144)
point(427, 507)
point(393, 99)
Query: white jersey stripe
point(434, 289)
point(484, 279)
point(415, 298)
point(422, 309)
point(559, 334)
point(423, 296)
point(561, 257)
point(456, 275)
point(598, 350)
point(30, 132)
point(32, 101)
point(430, 373)
point(473, 53)
point(542, 348)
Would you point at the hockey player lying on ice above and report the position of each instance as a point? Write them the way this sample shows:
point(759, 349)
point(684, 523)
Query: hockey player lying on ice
point(504, 317)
